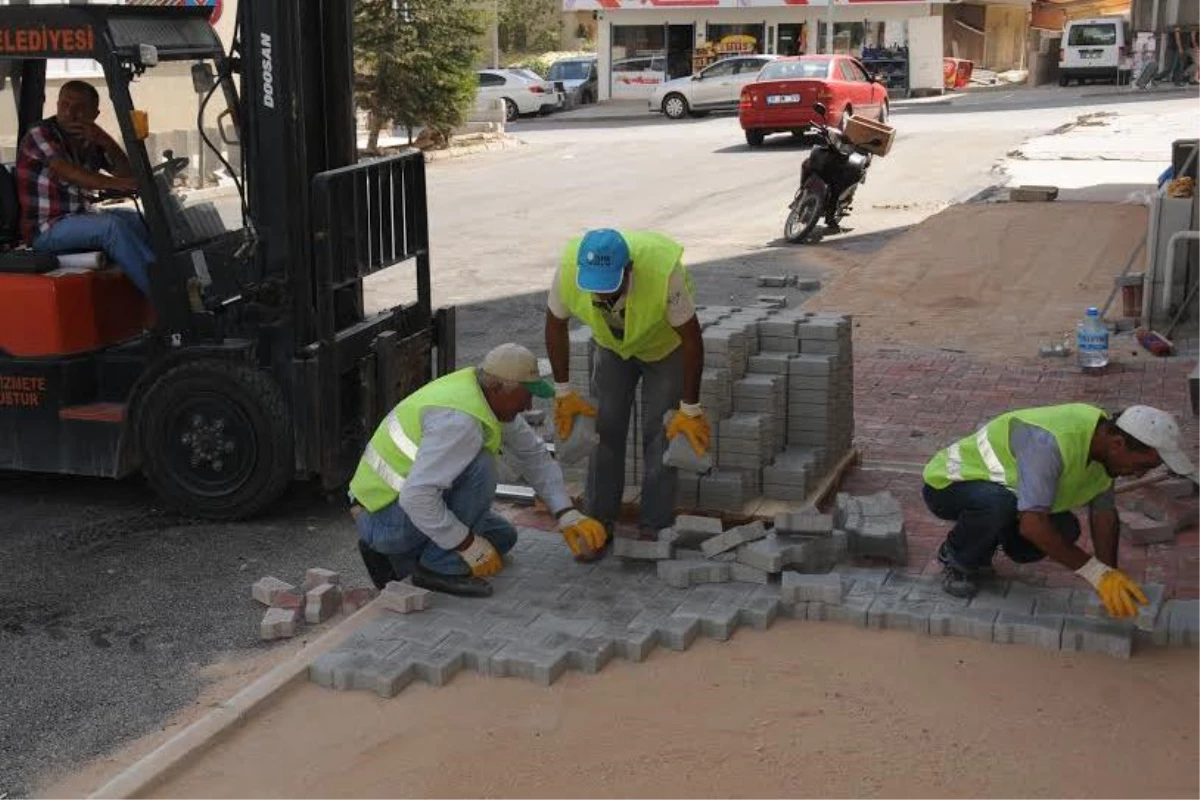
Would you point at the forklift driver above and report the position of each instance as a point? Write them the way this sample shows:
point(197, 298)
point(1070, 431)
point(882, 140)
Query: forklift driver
point(59, 165)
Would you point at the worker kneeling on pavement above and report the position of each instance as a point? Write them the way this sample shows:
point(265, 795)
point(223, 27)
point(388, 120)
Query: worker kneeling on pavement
point(424, 488)
point(634, 293)
point(1013, 484)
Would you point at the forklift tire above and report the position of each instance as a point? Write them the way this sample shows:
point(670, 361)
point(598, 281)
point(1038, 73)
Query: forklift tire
point(216, 439)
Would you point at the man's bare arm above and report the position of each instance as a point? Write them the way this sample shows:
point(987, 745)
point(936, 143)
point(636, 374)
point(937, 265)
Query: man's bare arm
point(1037, 528)
point(693, 359)
point(65, 171)
point(558, 347)
point(1106, 529)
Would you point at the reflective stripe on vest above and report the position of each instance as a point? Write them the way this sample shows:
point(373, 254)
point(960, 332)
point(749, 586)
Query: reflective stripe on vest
point(383, 469)
point(985, 454)
point(400, 438)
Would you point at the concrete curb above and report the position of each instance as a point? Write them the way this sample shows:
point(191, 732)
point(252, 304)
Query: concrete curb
point(433, 156)
point(184, 747)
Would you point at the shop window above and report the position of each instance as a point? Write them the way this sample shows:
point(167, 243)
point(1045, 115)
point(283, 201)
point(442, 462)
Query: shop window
point(638, 58)
point(849, 38)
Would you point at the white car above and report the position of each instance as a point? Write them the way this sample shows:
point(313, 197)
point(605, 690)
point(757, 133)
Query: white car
point(716, 87)
point(521, 93)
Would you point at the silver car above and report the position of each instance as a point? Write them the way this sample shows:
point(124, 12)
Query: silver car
point(717, 87)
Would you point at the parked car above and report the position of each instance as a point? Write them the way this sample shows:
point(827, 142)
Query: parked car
point(580, 79)
point(713, 88)
point(782, 97)
point(639, 71)
point(1096, 48)
point(521, 94)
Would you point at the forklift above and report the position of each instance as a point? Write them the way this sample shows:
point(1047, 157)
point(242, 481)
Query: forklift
point(252, 363)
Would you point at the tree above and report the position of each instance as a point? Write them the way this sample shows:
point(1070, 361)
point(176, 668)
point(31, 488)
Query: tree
point(415, 63)
point(530, 26)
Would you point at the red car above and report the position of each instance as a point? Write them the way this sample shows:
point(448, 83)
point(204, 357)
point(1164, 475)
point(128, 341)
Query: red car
point(782, 96)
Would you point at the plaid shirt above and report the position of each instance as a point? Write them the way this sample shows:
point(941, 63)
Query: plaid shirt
point(44, 199)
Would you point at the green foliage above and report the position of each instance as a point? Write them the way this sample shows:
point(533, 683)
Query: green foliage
point(529, 26)
point(416, 66)
point(541, 62)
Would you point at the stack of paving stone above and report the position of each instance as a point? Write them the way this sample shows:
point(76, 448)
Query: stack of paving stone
point(320, 597)
point(792, 370)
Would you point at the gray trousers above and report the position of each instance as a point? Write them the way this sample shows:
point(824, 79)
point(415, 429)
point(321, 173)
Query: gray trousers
point(614, 381)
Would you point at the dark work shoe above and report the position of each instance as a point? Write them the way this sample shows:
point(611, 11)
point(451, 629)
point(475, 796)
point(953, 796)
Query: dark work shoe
point(461, 585)
point(957, 583)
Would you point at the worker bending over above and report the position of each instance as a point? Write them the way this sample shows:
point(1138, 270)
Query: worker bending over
point(1014, 482)
point(424, 488)
point(634, 293)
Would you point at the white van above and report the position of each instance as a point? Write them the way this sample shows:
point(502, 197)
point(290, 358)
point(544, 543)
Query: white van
point(1096, 49)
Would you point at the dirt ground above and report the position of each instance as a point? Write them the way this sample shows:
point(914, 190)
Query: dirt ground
point(804, 709)
point(988, 279)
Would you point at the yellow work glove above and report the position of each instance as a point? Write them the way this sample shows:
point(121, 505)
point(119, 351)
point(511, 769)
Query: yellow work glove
point(567, 406)
point(691, 422)
point(584, 535)
point(1120, 595)
point(482, 558)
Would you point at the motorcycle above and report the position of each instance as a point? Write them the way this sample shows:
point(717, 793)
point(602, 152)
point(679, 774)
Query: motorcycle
point(828, 179)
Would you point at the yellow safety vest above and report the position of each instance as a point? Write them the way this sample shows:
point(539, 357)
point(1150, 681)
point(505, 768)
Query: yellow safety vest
point(393, 448)
point(985, 454)
point(648, 334)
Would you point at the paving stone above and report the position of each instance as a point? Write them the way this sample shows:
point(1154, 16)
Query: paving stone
point(892, 614)
point(1138, 529)
point(800, 588)
point(808, 522)
point(719, 622)
point(993, 596)
point(404, 598)
point(317, 577)
point(321, 603)
point(279, 623)
point(851, 611)
point(392, 677)
point(265, 590)
point(682, 574)
point(358, 597)
point(773, 280)
point(580, 444)
point(879, 540)
point(972, 623)
point(293, 600)
point(438, 666)
point(734, 537)
point(1098, 636)
point(521, 661)
point(680, 455)
point(744, 573)
point(766, 554)
point(760, 612)
point(693, 530)
point(624, 547)
point(678, 632)
point(1148, 614)
point(1038, 631)
point(1182, 628)
point(1050, 602)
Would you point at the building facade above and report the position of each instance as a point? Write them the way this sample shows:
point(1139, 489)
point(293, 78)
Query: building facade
point(640, 43)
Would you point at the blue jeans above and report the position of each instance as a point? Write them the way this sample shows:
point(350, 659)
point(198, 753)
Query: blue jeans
point(614, 381)
point(120, 232)
point(390, 534)
point(985, 518)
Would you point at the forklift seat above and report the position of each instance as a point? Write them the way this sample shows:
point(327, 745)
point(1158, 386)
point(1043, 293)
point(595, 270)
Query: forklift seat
point(14, 257)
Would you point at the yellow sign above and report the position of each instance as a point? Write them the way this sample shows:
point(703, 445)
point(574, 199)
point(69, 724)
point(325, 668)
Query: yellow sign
point(738, 43)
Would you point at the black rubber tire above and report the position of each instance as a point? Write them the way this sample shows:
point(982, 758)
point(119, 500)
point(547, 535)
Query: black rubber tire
point(755, 138)
point(884, 112)
point(795, 229)
point(847, 113)
point(243, 409)
point(675, 106)
point(1064, 80)
point(511, 112)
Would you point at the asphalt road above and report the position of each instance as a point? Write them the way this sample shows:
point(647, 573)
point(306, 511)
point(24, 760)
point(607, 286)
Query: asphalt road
point(111, 608)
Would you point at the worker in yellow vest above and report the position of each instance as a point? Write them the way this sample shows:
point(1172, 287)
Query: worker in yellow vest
point(1013, 484)
point(632, 290)
point(423, 491)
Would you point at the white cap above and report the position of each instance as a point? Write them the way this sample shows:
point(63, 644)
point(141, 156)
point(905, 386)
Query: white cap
point(1157, 429)
point(512, 362)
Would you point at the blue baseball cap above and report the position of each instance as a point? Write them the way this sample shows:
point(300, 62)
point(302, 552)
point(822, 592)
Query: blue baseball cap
point(603, 256)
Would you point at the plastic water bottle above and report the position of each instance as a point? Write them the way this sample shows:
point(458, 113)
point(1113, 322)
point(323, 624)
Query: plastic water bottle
point(1091, 342)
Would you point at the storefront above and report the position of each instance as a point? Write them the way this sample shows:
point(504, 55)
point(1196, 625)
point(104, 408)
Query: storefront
point(641, 43)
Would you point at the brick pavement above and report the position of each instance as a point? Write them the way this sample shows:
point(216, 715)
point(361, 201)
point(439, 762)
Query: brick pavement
point(909, 403)
point(550, 614)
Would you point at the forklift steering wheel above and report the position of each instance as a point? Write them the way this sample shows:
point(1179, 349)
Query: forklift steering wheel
point(170, 165)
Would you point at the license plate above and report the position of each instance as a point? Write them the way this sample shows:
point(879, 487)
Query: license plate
point(777, 99)
point(1091, 53)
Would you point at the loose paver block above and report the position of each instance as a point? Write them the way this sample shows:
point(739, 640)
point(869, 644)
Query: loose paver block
point(356, 598)
point(680, 455)
point(580, 444)
point(734, 537)
point(744, 572)
point(404, 598)
point(683, 574)
point(624, 547)
point(292, 599)
point(693, 530)
point(318, 577)
point(1179, 624)
point(279, 623)
point(322, 603)
point(807, 522)
point(267, 589)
